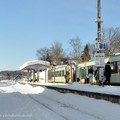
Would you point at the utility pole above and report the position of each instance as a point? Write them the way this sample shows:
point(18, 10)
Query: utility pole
point(99, 55)
point(98, 21)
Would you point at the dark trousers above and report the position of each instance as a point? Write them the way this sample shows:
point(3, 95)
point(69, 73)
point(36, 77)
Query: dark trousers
point(107, 81)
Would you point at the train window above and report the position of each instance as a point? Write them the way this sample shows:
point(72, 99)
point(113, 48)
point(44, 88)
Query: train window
point(78, 73)
point(56, 73)
point(118, 64)
point(83, 73)
point(114, 67)
point(118, 67)
point(62, 73)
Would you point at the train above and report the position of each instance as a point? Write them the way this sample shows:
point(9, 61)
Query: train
point(79, 72)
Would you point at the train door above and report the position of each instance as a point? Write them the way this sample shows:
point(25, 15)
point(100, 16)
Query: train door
point(118, 64)
point(83, 75)
point(78, 74)
point(115, 75)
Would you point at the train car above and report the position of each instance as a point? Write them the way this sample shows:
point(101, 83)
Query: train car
point(83, 68)
point(115, 66)
point(57, 74)
point(80, 73)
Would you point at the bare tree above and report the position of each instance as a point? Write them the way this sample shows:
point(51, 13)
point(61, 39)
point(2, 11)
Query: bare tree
point(54, 54)
point(76, 48)
point(115, 44)
point(57, 52)
point(91, 50)
point(42, 53)
point(112, 40)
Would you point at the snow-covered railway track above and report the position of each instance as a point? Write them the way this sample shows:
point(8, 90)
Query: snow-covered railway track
point(48, 102)
point(48, 107)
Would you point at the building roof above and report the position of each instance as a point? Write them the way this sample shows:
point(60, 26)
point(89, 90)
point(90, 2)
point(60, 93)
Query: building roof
point(35, 65)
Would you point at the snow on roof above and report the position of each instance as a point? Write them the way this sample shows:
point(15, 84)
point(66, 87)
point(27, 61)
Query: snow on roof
point(35, 65)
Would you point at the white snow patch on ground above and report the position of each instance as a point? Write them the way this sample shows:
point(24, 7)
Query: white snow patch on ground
point(23, 102)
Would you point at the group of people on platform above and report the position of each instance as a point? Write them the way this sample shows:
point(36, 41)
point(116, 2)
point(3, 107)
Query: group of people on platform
point(107, 74)
point(91, 73)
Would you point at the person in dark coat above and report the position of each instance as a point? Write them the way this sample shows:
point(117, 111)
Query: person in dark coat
point(96, 76)
point(107, 73)
point(90, 73)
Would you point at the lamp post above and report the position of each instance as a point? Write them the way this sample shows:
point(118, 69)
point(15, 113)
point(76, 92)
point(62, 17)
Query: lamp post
point(99, 55)
point(98, 21)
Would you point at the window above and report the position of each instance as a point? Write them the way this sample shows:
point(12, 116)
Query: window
point(118, 66)
point(56, 73)
point(114, 67)
point(83, 73)
point(118, 63)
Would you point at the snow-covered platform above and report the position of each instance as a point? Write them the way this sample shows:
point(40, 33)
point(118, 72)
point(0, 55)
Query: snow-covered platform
point(108, 93)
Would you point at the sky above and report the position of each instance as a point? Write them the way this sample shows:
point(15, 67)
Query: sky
point(28, 25)
point(24, 102)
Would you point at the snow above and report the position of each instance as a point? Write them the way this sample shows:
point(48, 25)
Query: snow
point(115, 90)
point(24, 102)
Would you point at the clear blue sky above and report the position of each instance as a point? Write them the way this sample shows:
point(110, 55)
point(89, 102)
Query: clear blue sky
point(27, 25)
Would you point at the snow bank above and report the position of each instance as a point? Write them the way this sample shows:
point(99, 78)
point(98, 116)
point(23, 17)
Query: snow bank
point(9, 86)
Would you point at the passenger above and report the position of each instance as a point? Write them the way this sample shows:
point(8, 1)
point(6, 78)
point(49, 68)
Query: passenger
point(78, 79)
point(107, 74)
point(90, 73)
point(67, 77)
point(96, 76)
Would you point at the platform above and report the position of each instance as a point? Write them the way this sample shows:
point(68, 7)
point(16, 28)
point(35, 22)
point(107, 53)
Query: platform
point(108, 97)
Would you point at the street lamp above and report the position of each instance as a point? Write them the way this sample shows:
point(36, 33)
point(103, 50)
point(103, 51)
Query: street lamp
point(99, 55)
point(98, 21)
